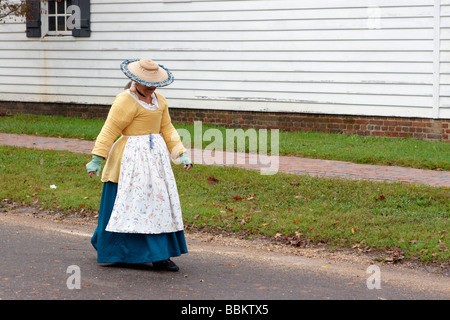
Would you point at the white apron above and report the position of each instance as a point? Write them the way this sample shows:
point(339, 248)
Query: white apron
point(147, 198)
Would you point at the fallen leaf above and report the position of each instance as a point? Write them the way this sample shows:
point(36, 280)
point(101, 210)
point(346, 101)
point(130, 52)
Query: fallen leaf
point(236, 197)
point(381, 198)
point(212, 180)
point(394, 256)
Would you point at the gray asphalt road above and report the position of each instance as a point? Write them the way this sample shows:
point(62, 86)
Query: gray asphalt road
point(36, 254)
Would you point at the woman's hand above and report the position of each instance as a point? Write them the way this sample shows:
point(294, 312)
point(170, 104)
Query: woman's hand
point(186, 161)
point(94, 166)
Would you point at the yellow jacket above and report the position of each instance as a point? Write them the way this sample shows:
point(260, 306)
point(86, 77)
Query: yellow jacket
point(129, 118)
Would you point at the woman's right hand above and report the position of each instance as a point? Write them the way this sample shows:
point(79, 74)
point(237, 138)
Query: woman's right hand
point(94, 166)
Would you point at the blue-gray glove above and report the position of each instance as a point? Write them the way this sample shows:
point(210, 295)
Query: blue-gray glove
point(186, 161)
point(95, 165)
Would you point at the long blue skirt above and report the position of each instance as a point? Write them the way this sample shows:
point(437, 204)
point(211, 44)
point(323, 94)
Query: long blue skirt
point(113, 247)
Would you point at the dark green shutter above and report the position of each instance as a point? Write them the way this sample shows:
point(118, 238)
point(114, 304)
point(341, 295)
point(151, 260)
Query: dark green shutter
point(85, 8)
point(33, 16)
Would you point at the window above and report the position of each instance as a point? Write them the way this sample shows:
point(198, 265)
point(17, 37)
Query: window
point(58, 18)
point(55, 21)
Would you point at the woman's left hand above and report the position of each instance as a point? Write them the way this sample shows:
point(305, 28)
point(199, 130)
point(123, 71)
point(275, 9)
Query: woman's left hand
point(186, 161)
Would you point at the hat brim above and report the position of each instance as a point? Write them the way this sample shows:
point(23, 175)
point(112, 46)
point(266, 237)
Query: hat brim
point(160, 79)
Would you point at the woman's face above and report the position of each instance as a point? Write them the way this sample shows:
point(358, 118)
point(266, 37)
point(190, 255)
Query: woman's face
point(146, 91)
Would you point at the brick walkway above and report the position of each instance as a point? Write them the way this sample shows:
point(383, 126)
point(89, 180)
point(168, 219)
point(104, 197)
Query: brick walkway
point(294, 165)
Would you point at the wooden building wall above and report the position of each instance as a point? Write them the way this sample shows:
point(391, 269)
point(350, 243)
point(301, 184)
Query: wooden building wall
point(342, 57)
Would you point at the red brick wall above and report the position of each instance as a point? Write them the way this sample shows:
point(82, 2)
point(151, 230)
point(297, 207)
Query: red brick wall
point(420, 128)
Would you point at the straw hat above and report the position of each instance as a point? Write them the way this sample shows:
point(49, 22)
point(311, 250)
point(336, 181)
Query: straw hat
point(147, 72)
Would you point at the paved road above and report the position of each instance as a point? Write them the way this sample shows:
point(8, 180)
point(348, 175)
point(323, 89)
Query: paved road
point(36, 253)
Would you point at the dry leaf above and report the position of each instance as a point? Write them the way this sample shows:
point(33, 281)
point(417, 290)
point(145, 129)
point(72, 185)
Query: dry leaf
point(212, 180)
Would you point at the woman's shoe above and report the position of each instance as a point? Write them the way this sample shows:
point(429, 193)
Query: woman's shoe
point(167, 265)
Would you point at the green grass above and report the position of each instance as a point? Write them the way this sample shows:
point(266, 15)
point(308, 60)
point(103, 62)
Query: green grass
point(407, 152)
point(411, 219)
point(52, 126)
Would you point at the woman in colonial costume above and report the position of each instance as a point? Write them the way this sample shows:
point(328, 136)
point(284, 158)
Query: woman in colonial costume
point(140, 218)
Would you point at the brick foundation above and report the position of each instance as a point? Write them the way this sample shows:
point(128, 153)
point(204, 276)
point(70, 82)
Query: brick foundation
point(420, 128)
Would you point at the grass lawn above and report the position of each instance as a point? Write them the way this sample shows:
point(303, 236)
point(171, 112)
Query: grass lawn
point(392, 218)
point(408, 152)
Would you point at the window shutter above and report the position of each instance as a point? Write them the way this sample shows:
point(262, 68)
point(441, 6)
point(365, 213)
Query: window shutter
point(85, 8)
point(33, 16)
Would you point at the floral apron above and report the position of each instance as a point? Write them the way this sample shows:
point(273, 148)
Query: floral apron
point(147, 197)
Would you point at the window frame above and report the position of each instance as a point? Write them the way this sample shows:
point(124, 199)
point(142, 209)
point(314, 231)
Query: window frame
point(45, 15)
point(37, 20)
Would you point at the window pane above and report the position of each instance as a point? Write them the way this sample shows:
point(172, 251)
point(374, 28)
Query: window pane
point(69, 3)
point(51, 24)
point(51, 7)
point(60, 7)
point(62, 23)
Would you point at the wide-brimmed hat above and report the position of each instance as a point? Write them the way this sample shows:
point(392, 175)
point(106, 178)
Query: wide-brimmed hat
point(147, 72)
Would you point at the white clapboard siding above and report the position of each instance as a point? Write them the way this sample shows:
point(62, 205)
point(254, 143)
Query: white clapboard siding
point(362, 57)
point(444, 101)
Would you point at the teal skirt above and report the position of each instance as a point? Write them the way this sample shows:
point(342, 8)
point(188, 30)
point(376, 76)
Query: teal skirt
point(113, 247)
